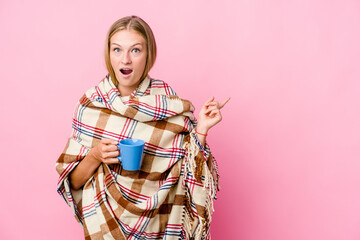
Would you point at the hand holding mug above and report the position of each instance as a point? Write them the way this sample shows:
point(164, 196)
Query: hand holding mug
point(106, 151)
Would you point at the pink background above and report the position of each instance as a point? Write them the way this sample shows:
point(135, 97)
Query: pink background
point(288, 146)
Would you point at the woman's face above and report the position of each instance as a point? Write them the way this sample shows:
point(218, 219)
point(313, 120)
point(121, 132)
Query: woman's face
point(128, 55)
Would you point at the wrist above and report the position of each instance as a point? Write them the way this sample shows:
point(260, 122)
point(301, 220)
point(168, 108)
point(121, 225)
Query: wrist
point(93, 158)
point(201, 130)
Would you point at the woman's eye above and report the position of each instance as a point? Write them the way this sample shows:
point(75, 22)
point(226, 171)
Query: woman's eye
point(116, 50)
point(136, 50)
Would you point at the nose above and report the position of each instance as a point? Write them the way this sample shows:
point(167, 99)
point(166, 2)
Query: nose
point(125, 58)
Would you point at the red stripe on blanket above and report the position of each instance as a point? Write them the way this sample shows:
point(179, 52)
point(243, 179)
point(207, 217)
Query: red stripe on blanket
point(66, 171)
point(98, 197)
point(98, 130)
point(141, 219)
point(128, 191)
point(122, 136)
point(166, 111)
point(125, 128)
point(105, 98)
point(152, 234)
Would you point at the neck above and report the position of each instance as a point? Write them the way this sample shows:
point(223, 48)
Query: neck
point(125, 91)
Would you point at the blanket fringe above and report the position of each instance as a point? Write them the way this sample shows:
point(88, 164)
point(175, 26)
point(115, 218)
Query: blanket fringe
point(209, 191)
point(186, 218)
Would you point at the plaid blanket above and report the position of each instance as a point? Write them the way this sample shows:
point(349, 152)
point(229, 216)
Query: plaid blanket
point(171, 196)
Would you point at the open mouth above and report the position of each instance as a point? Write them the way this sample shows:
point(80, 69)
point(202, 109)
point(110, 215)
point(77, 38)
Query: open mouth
point(126, 71)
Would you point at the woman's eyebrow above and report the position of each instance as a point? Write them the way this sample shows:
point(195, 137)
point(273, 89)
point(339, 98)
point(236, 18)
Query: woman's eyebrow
point(130, 46)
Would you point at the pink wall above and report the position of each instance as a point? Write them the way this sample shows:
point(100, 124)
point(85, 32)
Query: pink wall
point(288, 146)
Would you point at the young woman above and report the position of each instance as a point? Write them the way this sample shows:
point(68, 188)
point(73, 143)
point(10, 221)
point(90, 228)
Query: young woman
point(171, 196)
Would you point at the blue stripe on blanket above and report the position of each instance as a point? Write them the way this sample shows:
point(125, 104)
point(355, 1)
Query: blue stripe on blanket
point(128, 197)
point(170, 155)
point(164, 106)
point(86, 132)
point(141, 236)
point(153, 114)
point(166, 186)
point(90, 213)
point(160, 113)
point(164, 155)
point(132, 129)
point(112, 98)
point(80, 115)
point(155, 202)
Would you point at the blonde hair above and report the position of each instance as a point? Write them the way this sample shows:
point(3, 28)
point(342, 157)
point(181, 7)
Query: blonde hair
point(137, 24)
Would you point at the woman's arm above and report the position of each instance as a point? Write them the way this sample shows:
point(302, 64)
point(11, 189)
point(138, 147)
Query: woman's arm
point(105, 151)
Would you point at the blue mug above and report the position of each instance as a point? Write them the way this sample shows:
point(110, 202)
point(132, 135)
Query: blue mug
point(131, 152)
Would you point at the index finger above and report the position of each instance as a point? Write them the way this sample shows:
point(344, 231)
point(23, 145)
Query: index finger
point(108, 141)
point(221, 105)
